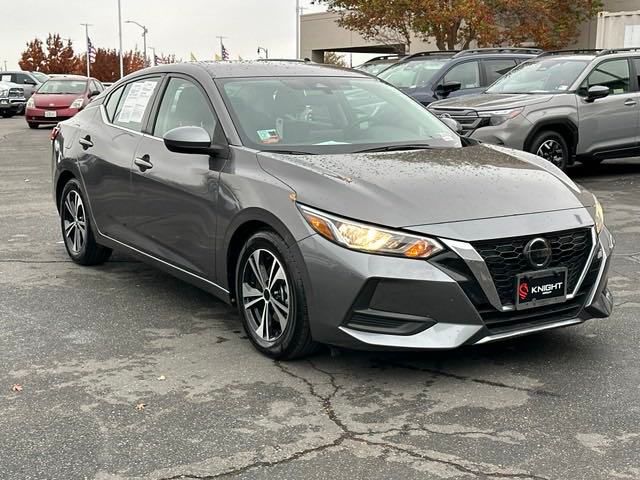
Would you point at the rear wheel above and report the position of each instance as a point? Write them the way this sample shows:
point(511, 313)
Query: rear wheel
point(271, 298)
point(32, 125)
point(76, 228)
point(552, 147)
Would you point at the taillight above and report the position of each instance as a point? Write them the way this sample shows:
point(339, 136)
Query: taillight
point(54, 133)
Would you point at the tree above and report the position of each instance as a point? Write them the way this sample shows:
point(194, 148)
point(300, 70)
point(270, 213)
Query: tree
point(60, 57)
point(332, 58)
point(457, 23)
point(106, 68)
point(33, 58)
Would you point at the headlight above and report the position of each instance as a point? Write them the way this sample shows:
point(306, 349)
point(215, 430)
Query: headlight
point(4, 93)
point(77, 103)
point(599, 216)
point(31, 103)
point(498, 117)
point(367, 238)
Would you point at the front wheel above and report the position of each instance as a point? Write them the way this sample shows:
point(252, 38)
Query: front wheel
point(32, 125)
point(7, 114)
point(271, 298)
point(76, 228)
point(552, 147)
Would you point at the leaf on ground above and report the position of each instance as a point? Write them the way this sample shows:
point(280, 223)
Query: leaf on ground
point(140, 406)
point(16, 387)
point(162, 377)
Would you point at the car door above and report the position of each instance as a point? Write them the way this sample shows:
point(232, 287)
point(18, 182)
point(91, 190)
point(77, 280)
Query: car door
point(468, 74)
point(107, 147)
point(176, 193)
point(609, 124)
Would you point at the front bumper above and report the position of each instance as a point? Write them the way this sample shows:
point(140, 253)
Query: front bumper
point(38, 115)
point(358, 300)
point(13, 105)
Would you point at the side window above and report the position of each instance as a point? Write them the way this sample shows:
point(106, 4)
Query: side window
point(183, 105)
point(497, 68)
point(467, 73)
point(134, 103)
point(112, 103)
point(636, 64)
point(613, 74)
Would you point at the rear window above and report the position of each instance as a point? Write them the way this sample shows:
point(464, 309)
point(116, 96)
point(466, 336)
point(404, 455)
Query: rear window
point(63, 87)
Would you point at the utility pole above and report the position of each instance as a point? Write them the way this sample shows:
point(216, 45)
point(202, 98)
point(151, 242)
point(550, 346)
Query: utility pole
point(120, 39)
point(219, 37)
point(86, 36)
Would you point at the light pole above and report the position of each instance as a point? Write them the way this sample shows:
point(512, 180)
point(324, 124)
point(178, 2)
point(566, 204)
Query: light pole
point(264, 50)
point(120, 40)
point(297, 28)
point(153, 51)
point(145, 30)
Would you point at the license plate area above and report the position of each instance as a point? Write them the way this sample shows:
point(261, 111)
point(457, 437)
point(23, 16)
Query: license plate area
point(50, 113)
point(546, 287)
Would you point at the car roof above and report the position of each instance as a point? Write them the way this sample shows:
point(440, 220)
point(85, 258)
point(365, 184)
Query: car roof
point(258, 69)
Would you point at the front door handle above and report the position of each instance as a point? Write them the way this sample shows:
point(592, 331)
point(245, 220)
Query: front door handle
point(630, 102)
point(86, 142)
point(143, 163)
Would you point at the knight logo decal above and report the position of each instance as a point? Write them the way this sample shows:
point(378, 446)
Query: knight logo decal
point(523, 291)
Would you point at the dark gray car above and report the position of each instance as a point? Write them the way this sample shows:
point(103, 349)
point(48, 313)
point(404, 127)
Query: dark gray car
point(330, 207)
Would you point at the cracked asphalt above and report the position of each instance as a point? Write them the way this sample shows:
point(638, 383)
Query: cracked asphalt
point(89, 344)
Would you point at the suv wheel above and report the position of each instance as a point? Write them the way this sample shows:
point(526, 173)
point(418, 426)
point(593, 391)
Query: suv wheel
point(271, 298)
point(552, 147)
point(76, 228)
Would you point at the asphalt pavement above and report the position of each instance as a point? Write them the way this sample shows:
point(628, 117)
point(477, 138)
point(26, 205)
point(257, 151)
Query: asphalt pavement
point(128, 373)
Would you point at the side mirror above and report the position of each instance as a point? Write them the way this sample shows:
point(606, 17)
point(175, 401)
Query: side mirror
point(191, 140)
point(447, 88)
point(29, 82)
point(94, 93)
point(596, 92)
point(452, 124)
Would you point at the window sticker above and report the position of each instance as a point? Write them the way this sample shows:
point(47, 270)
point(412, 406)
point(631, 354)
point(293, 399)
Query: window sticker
point(6, 78)
point(136, 102)
point(268, 136)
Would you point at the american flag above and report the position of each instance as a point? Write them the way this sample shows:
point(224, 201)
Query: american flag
point(92, 51)
point(225, 52)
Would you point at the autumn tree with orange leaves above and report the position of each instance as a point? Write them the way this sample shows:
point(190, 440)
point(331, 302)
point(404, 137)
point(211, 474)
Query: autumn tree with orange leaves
point(457, 23)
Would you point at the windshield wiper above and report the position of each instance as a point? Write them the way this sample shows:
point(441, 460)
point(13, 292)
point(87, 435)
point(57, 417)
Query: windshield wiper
point(289, 152)
point(394, 148)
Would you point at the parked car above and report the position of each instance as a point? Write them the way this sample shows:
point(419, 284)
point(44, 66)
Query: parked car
point(275, 187)
point(562, 106)
point(29, 81)
point(376, 65)
point(60, 98)
point(12, 99)
point(431, 76)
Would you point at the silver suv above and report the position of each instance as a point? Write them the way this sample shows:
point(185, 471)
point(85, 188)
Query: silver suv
point(563, 106)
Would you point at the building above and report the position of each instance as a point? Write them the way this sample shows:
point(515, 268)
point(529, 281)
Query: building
point(320, 33)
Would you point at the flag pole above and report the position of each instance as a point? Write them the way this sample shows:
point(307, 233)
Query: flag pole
point(86, 36)
point(221, 52)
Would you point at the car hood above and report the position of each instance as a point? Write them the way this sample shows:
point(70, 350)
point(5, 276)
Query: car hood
point(410, 188)
point(54, 99)
point(492, 101)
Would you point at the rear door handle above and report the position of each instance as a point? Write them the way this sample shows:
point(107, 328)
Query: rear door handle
point(143, 163)
point(86, 142)
point(630, 102)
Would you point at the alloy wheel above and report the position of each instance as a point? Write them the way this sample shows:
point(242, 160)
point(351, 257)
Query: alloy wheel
point(266, 295)
point(552, 151)
point(74, 222)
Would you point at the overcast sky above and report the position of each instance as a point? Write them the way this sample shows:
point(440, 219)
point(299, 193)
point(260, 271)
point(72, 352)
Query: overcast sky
point(175, 26)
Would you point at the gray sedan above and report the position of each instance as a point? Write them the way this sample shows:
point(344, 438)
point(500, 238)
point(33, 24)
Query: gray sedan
point(330, 207)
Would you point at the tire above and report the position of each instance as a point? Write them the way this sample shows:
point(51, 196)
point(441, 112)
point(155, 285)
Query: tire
point(79, 242)
point(552, 147)
point(7, 115)
point(281, 276)
point(33, 125)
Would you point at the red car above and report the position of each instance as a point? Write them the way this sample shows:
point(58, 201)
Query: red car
point(60, 98)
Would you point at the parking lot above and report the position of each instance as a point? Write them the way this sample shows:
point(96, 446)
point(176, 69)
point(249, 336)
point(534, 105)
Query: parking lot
point(129, 373)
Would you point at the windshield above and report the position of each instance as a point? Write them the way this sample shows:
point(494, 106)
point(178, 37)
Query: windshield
point(63, 86)
point(546, 75)
point(40, 77)
point(376, 67)
point(413, 74)
point(328, 115)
